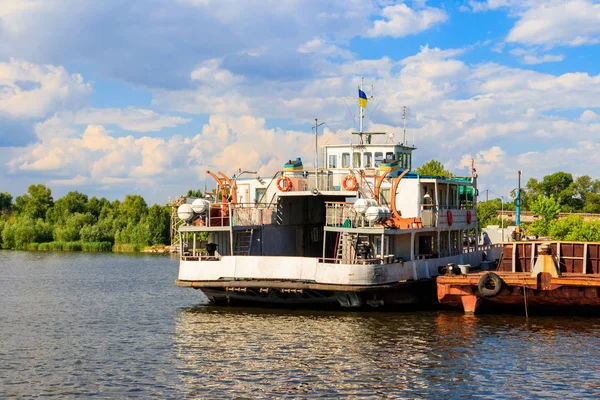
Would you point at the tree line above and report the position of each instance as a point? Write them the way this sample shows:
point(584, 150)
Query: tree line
point(35, 221)
point(555, 193)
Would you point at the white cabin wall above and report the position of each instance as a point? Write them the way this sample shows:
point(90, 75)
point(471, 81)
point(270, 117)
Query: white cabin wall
point(407, 198)
point(246, 192)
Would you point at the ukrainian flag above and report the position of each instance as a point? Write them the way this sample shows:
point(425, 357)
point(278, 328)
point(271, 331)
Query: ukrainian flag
point(362, 99)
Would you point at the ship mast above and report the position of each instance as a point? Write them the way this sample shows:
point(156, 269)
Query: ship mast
point(362, 103)
point(361, 115)
point(404, 117)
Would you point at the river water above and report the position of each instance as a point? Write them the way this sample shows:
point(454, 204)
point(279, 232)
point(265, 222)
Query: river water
point(76, 325)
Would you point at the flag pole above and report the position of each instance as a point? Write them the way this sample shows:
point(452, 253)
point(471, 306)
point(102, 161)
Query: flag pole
point(360, 110)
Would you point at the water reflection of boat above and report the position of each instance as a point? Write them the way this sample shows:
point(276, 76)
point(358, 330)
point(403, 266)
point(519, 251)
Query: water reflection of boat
point(249, 352)
point(227, 352)
point(345, 234)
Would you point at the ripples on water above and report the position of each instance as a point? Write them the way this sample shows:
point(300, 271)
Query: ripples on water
point(77, 325)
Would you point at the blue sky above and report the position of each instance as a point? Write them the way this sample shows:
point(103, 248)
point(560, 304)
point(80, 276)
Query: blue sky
point(118, 97)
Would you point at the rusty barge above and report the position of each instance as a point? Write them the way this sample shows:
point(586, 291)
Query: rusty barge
point(543, 275)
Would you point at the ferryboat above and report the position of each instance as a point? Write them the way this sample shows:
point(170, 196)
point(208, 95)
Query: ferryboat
point(360, 230)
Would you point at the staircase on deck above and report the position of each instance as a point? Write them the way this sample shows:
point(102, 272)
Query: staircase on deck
point(242, 242)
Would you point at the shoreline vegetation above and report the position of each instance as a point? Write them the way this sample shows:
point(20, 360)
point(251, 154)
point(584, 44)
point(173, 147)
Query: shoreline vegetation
point(546, 199)
point(74, 222)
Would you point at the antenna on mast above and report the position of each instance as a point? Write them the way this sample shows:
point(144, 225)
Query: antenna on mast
point(404, 118)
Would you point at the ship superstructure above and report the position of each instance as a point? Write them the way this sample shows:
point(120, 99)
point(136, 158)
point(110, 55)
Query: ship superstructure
point(362, 229)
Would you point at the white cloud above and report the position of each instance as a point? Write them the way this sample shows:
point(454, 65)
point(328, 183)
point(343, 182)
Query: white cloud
point(97, 157)
point(454, 107)
point(481, 6)
point(209, 72)
point(159, 46)
point(529, 59)
point(29, 90)
point(399, 20)
point(487, 162)
point(131, 118)
point(320, 46)
point(530, 56)
point(13, 14)
point(571, 23)
point(241, 73)
point(76, 181)
point(588, 116)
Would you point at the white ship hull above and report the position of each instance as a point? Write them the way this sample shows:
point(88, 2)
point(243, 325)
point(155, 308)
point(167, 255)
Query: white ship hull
point(311, 281)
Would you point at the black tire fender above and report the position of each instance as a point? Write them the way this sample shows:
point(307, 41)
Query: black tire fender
point(490, 284)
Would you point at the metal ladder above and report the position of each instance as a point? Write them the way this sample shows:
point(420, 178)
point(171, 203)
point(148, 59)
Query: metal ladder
point(243, 242)
point(346, 247)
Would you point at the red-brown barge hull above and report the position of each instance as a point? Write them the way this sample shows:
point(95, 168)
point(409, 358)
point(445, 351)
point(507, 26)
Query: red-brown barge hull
point(578, 285)
point(570, 290)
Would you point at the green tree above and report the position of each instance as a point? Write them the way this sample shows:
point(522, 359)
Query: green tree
point(94, 206)
point(433, 168)
point(69, 204)
point(95, 233)
point(159, 220)
point(36, 202)
point(133, 208)
point(197, 194)
point(134, 233)
point(546, 207)
point(17, 233)
point(5, 202)
point(584, 185)
point(43, 231)
point(566, 228)
point(530, 193)
point(2, 225)
point(71, 231)
point(592, 203)
point(487, 212)
point(556, 183)
point(561, 186)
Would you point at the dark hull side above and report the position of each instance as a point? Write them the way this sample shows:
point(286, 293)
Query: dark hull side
point(408, 295)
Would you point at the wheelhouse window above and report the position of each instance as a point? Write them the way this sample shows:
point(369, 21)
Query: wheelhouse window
point(356, 160)
point(378, 159)
point(367, 160)
point(389, 155)
point(345, 160)
point(259, 194)
point(332, 161)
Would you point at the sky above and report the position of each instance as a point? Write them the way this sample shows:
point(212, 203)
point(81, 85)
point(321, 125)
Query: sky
point(144, 96)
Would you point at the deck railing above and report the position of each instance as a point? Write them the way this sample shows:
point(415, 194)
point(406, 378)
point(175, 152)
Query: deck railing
point(342, 214)
point(249, 214)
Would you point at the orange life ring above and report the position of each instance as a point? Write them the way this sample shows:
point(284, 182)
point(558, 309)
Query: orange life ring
point(449, 215)
point(288, 184)
point(353, 182)
point(468, 216)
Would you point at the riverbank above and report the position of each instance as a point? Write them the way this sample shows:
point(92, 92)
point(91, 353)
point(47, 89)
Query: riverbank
point(104, 247)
